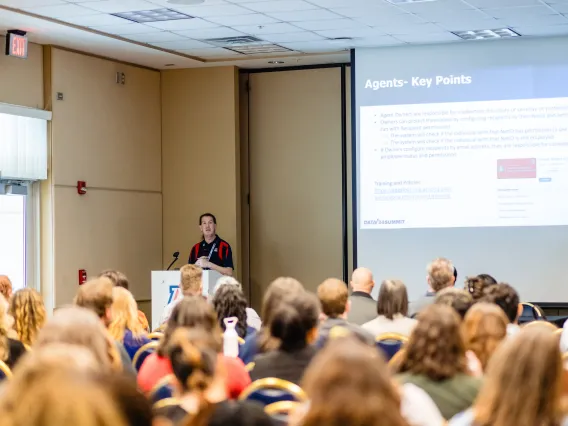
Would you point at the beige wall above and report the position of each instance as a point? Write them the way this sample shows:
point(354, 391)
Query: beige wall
point(21, 80)
point(200, 157)
point(109, 136)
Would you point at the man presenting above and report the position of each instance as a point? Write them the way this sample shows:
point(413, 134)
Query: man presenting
point(212, 252)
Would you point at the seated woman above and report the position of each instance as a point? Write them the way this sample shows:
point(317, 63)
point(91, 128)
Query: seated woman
point(190, 312)
point(392, 309)
point(522, 384)
point(201, 389)
point(229, 301)
point(253, 320)
point(28, 311)
point(11, 350)
point(277, 292)
point(125, 326)
point(434, 359)
point(294, 324)
point(476, 285)
point(484, 328)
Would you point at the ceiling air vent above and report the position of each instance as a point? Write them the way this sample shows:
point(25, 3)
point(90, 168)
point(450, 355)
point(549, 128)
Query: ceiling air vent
point(247, 45)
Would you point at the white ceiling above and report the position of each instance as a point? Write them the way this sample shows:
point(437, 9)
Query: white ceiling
point(306, 27)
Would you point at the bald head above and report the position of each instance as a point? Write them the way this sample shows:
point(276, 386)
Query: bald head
point(362, 280)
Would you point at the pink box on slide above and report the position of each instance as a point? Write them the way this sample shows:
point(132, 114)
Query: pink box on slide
point(516, 168)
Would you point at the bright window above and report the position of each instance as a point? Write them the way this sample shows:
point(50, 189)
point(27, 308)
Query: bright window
point(13, 239)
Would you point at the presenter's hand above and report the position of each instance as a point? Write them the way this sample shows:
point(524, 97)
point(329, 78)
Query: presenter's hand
point(203, 262)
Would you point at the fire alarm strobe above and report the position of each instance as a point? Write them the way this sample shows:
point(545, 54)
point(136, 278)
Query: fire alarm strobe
point(81, 187)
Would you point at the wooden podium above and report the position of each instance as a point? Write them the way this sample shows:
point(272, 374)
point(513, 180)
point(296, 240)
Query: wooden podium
point(165, 288)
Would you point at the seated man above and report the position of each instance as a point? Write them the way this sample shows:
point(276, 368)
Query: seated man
point(190, 285)
point(441, 275)
point(334, 298)
point(507, 298)
point(363, 306)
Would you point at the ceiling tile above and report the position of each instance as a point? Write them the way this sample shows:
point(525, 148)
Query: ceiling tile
point(156, 37)
point(514, 12)
point(360, 32)
point(277, 28)
point(313, 46)
point(436, 15)
point(280, 6)
point(182, 24)
point(214, 52)
point(61, 11)
point(80, 1)
point(94, 20)
point(203, 11)
point(429, 6)
point(292, 37)
point(489, 4)
point(349, 3)
point(166, 3)
point(470, 24)
point(376, 42)
point(560, 7)
point(181, 44)
point(304, 15)
point(21, 4)
point(126, 29)
point(118, 6)
point(356, 12)
point(378, 20)
point(426, 28)
point(205, 33)
point(328, 24)
point(428, 38)
point(542, 31)
point(251, 19)
point(535, 20)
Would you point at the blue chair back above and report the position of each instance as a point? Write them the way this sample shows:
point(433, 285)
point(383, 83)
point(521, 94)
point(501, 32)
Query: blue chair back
point(390, 343)
point(270, 390)
point(142, 353)
point(163, 390)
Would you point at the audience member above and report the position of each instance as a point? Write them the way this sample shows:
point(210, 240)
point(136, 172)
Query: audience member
point(28, 311)
point(276, 294)
point(440, 276)
point(190, 312)
point(120, 280)
point(134, 406)
point(363, 306)
point(96, 295)
point(10, 349)
point(392, 308)
point(477, 285)
point(294, 324)
point(253, 320)
point(522, 385)
point(5, 287)
point(507, 298)
point(201, 388)
point(229, 301)
point(125, 326)
point(348, 384)
point(190, 285)
point(334, 298)
point(434, 359)
point(457, 298)
point(484, 327)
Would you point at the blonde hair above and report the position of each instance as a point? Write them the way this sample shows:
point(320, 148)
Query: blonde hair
point(484, 327)
point(96, 295)
point(5, 287)
point(28, 310)
point(440, 274)
point(191, 280)
point(124, 315)
point(4, 329)
point(80, 326)
point(333, 296)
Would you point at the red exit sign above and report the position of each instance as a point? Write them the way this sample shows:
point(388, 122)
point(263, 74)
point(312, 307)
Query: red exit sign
point(17, 45)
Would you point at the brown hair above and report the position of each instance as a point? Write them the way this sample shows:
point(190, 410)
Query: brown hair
point(393, 299)
point(504, 296)
point(191, 280)
point(522, 385)
point(435, 348)
point(293, 321)
point(118, 278)
point(277, 293)
point(5, 287)
point(484, 327)
point(95, 295)
point(440, 274)
point(190, 312)
point(333, 296)
point(362, 394)
point(457, 298)
point(28, 310)
point(477, 285)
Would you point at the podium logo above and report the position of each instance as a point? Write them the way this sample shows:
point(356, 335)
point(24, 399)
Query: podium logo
point(174, 293)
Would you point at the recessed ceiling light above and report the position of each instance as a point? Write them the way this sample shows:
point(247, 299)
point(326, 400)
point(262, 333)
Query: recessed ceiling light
point(407, 1)
point(275, 62)
point(487, 34)
point(188, 2)
point(154, 15)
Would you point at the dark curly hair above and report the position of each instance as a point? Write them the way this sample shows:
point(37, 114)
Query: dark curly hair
point(436, 348)
point(229, 301)
point(504, 296)
point(477, 285)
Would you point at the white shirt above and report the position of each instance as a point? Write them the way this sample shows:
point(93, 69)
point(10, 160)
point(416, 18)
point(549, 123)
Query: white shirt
point(399, 324)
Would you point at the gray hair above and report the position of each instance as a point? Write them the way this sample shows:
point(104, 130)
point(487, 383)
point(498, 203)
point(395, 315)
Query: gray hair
point(226, 280)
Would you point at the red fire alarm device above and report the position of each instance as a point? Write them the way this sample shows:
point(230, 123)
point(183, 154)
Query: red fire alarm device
point(82, 276)
point(17, 44)
point(81, 187)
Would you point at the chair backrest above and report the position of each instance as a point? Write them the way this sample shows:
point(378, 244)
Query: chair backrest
point(5, 372)
point(164, 389)
point(390, 343)
point(533, 311)
point(168, 402)
point(250, 366)
point(142, 353)
point(155, 335)
point(270, 390)
point(280, 411)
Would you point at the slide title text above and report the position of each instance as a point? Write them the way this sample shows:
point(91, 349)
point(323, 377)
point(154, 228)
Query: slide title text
point(427, 82)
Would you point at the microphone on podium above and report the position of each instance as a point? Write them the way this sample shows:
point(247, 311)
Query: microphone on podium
point(176, 256)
